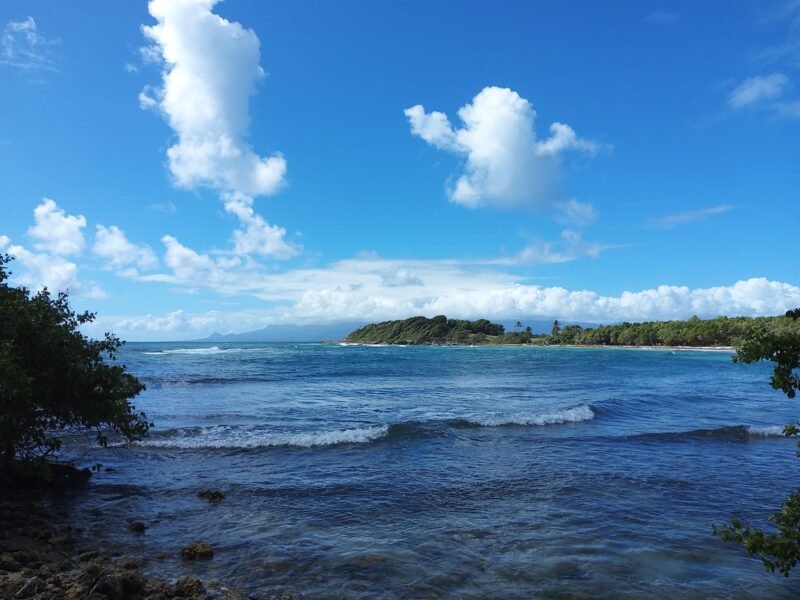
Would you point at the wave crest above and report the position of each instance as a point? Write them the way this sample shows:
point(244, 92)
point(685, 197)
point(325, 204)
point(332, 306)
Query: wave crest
point(209, 350)
point(229, 437)
point(575, 414)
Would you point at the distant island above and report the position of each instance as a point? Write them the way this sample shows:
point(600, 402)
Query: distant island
point(695, 332)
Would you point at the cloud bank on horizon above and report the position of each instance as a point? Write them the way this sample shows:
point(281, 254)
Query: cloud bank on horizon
point(210, 70)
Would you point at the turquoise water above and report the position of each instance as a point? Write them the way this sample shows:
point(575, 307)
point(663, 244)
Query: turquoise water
point(409, 472)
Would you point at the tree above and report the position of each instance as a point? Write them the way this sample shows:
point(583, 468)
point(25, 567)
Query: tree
point(556, 328)
point(518, 326)
point(777, 341)
point(52, 377)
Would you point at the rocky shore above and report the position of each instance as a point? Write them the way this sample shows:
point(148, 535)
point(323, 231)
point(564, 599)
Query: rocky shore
point(43, 557)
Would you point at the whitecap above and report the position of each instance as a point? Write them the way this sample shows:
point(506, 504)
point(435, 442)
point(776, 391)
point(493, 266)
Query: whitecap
point(223, 436)
point(766, 431)
point(211, 350)
point(576, 414)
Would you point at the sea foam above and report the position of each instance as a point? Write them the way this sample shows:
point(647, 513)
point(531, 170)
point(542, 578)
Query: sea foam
point(766, 431)
point(210, 350)
point(223, 436)
point(568, 415)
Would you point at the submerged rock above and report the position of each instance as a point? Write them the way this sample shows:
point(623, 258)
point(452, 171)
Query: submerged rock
point(197, 550)
point(212, 495)
point(137, 526)
point(188, 587)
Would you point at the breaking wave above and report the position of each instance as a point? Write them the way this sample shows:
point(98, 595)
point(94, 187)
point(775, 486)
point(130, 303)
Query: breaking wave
point(227, 436)
point(734, 433)
point(257, 436)
point(576, 414)
point(210, 350)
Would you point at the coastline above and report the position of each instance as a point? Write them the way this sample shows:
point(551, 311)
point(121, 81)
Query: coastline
point(44, 554)
point(727, 349)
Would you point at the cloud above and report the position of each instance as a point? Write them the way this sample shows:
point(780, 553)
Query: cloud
point(56, 236)
point(790, 110)
point(570, 247)
point(210, 70)
point(211, 67)
point(662, 17)
point(506, 165)
point(676, 219)
point(580, 214)
point(400, 278)
point(40, 269)
point(256, 236)
point(756, 90)
point(469, 295)
point(113, 247)
point(55, 231)
point(23, 47)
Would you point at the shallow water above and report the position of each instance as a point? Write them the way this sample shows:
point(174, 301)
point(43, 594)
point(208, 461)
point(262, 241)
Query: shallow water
point(388, 472)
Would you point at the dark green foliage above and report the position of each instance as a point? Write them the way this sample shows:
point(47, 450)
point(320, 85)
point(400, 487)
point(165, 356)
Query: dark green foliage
point(721, 331)
point(556, 328)
point(53, 378)
point(421, 330)
point(776, 340)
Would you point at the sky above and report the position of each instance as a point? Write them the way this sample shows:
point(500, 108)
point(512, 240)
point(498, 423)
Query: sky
point(184, 167)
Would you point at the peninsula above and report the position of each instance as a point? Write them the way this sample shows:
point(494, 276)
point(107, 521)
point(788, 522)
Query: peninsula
point(720, 332)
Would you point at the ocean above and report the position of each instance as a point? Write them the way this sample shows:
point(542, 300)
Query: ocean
point(447, 472)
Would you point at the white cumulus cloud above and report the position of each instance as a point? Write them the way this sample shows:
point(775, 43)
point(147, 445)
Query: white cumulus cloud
point(40, 269)
point(119, 253)
point(211, 66)
point(210, 71)
point(256, 236)
point(55, 231)
point(505, 164)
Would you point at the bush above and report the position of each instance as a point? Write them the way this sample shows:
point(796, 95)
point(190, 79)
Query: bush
point(54, 378)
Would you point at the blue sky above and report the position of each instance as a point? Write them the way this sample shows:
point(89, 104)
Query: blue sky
point(237, 164)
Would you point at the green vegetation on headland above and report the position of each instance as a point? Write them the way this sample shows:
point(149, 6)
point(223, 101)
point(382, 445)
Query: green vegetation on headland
point(695, 332)
point(438, 330)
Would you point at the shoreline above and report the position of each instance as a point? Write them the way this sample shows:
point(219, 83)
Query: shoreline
point(45, 554)
point(728, 349)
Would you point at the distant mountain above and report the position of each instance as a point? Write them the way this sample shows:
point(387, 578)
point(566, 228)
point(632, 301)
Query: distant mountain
point(287, 333)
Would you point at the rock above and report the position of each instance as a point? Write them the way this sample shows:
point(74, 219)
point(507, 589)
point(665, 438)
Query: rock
point(132, 583)
point(188, 587)
point(59, 540)
point(7, 563)
point(28, 559)
point(197, 550)
point(129, 563)
point(88, 555)
point(109, 586)
point(212, 495)
point(137, 526)
point(30, 587)
point(161, 555)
